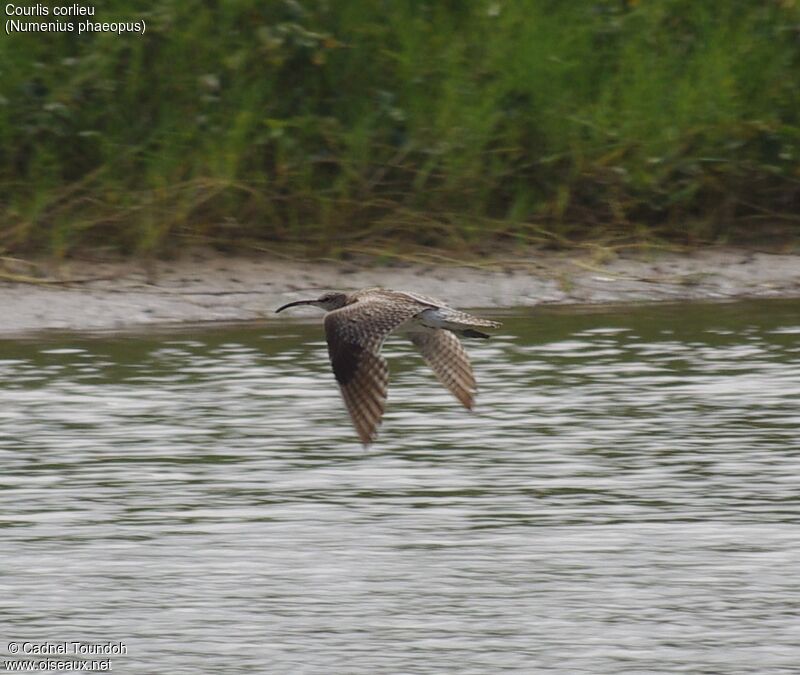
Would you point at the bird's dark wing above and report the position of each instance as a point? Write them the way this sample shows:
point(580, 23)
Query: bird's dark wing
point(446, 356)
point(355, 334)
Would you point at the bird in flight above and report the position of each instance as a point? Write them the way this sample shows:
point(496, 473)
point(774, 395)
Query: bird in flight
point(356, 325)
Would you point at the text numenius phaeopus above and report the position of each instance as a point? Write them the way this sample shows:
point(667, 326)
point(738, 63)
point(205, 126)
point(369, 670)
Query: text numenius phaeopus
point(356, 325)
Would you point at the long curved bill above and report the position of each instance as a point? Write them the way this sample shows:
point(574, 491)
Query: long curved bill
point(294, 304)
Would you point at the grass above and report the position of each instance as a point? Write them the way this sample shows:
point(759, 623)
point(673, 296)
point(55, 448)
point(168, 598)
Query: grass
point(439, 124)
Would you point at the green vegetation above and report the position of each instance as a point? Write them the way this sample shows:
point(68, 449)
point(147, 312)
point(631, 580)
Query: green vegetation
point(442, 123)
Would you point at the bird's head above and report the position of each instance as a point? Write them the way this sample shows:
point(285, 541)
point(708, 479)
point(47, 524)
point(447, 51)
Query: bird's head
point(327, 301)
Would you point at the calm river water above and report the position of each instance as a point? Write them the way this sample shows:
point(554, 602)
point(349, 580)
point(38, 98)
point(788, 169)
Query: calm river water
point(626, 499)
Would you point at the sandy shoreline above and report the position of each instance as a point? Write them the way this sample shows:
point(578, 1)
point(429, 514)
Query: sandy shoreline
point(208, 286)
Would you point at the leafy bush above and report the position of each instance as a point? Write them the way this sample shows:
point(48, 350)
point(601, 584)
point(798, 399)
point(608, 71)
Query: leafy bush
point(442, 123)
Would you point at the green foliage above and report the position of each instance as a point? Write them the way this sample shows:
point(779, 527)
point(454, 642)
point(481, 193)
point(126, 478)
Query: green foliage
point(441, 123)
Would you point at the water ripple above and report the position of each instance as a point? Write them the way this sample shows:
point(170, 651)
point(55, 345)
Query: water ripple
point(623, 500)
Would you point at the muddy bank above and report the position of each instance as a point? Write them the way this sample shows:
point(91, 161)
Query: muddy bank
point(207, 286)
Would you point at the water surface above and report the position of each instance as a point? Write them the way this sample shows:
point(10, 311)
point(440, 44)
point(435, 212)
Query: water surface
point(624, 500)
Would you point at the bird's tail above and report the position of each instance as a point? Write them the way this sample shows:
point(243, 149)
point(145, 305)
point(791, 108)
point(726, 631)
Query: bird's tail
point(460, 323)
point(458, 317)
point(469, 332)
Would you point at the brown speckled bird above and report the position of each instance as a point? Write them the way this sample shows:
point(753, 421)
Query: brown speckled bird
point(356, 325)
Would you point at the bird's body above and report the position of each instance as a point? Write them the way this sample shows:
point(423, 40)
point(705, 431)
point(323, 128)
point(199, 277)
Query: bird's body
point(356, 325)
